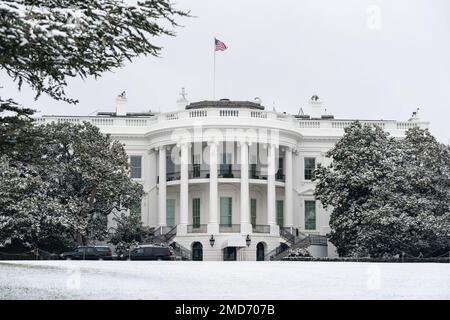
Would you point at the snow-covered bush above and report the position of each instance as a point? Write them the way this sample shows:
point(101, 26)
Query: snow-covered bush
point(298, 252)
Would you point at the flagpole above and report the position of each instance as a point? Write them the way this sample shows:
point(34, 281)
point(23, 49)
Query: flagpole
point(214, 72)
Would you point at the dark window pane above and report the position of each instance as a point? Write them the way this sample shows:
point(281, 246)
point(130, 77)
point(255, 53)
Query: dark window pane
point(280, 213)
point(310, 215)
point(136, 167)
point(310, 166)
point(196, 212)
point(253, 210)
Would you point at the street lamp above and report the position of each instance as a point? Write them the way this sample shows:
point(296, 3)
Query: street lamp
point(248, 240)
point(212, 240)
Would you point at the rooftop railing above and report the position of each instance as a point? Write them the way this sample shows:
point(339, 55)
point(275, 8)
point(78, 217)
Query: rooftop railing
point(218, 113)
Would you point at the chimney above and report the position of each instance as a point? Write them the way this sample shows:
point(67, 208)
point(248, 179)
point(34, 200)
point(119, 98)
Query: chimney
point(121, 105)
point(317, 108)
point(182, 102)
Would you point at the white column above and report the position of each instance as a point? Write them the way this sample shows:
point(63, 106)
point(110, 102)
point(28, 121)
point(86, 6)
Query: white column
point(213, 225)
point(162, 187)
point(246, 226)
point(288, 189)
point(271, 195)
point(184, 187)
point(152, 216)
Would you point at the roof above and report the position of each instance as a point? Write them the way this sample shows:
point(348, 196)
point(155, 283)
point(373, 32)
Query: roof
point(224, 103)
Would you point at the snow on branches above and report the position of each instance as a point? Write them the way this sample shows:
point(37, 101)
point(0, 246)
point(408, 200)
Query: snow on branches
point(388, 196)
point(44, 42)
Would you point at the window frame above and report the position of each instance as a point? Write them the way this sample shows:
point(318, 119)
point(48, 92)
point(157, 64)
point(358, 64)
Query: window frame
point(167, 211)
point(196, 212)
point(133, 167)
point(308, 220)
point(229, 216)
point(308, 173)
point(253, 210)
point(280, 217)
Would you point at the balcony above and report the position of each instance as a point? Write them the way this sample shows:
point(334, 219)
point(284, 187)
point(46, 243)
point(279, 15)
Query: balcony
point(279, 176)
point(257, 172)
point(225, 171)
point(197, 228)
point(196, 172)
point(260, 228)
point(229, 228)
point(229, 171)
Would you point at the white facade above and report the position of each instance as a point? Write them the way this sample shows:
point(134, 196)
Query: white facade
point(229, 170)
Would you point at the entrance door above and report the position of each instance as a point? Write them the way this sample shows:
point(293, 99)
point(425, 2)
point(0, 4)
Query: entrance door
point(260, 252)
point(229, 254)
point(197, 252)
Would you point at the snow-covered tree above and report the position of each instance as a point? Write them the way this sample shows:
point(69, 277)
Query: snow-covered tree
point(28, 215)
point(16, 127)
point(91, 175)
point(83, 178)
point(387, 196)
point(128, 231)
point(45, 42)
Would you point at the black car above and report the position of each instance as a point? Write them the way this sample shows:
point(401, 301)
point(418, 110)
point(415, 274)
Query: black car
point(88, 253)
point(149, 252)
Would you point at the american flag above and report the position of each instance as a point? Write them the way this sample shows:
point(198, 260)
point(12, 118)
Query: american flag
point(220, 46)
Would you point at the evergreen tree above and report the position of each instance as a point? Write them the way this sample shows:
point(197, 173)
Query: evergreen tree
point(128, 231)
point(45, 42)
point(82, 179)
point(387, 196)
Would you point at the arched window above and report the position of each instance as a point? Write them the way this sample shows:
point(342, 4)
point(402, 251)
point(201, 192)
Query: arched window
point(197, 251)
point(260, 251)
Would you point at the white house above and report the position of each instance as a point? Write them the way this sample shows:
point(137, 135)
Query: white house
point(229, 180)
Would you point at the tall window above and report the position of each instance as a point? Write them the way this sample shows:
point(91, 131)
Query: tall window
point(280, 213)
point(170, 212)
point(136, 167)
point(170, 167)
point(253, 211)
point(226, 211)
point(196, 165)
point(310, 215)
point(135, 208)
point(196, 212)
point(310, 166)
point(225, 167)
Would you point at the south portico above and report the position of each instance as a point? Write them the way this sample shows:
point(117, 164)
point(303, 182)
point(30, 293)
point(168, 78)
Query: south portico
point(233, 193)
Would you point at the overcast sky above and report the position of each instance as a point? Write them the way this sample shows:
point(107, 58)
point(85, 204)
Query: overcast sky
point(285, 51)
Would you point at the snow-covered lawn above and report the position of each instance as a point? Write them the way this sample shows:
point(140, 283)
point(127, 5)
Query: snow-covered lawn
point(221, 280)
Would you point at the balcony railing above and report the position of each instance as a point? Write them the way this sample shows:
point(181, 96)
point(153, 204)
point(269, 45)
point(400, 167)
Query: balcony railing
point(229, 171)
point(196, 173)
point(257, 172)
point(197, 228)
point(259, 228)
point(230, 228)
point(279, 176)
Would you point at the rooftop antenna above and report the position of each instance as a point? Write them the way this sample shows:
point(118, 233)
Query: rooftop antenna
point(300, 112)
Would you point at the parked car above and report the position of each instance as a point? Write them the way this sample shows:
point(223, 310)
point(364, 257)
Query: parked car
point(147, 252)
point(88, 253)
